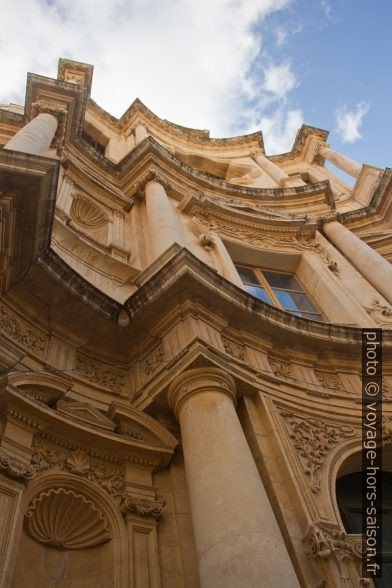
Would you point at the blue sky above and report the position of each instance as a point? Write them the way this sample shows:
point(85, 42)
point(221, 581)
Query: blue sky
point(232, 66)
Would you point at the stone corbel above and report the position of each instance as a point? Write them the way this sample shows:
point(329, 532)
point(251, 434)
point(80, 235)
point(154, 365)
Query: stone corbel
point(58, 111)
point(144, 507)
point(15, 468)
point(205, 237)
point(381, 313)
point(338, 554)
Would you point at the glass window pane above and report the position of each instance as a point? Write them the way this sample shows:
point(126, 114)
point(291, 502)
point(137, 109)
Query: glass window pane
point(259, 293)
point(295, 300)
point(247, 275)
point(286, 281)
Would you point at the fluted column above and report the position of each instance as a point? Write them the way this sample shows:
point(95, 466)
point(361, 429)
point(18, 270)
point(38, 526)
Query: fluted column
point(238, 540)
point(367, 261)
point(140, 134)
point(163, 225)
point(346, 164)
point(36, 136)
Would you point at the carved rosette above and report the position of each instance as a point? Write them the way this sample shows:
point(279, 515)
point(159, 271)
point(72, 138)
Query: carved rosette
point(144, 507)
point(66, 520)
point(313, 439)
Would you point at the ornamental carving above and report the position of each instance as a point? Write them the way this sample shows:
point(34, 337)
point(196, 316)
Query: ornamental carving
point(328, 542)
point(112, 379)
point(141, 506)
point(234, 349)
point(281, 369)
point(253, 235)
point(152, 362)
point(110, 477)
point(313, 439)
point(64, 519)
point(381, 313)
point(328, 380)
point(387, 430)
point(14, 468)
point(29, 339)
point(87, 214)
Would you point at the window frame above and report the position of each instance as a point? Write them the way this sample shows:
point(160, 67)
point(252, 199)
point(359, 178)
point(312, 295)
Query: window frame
point(263, 282)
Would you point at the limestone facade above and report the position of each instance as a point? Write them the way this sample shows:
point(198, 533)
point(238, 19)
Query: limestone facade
point(167, 418)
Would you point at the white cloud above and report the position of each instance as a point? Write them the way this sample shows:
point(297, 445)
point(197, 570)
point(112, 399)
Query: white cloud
point(348, 122)
point(190, 62)
point(279, 129)
point(279, 79)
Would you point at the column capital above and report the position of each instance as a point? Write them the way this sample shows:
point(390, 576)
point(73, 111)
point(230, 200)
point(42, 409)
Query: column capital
point(330, 217)
point(198, 380)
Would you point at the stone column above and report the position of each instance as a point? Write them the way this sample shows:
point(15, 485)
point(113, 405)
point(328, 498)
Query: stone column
point(278, 175)
point(36, 136)
point(163, 225)
point(346, 164)
point(140, 134)
point(237, 537)
point(367, 261)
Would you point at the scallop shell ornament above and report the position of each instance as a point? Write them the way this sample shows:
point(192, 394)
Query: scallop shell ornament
point(65, 520)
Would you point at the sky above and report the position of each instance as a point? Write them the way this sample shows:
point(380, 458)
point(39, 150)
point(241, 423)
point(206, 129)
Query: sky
point(230, 66)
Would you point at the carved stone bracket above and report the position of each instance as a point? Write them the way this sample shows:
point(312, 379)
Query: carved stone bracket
point(14, 468)
point(382, 313)
point(327, 542)
point(142, 506)
point(313, 439)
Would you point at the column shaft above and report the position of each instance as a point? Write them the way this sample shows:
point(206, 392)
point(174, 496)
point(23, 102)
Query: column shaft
point(140, 134)
point(163, 225)
point(36, 136)
point(278, 175)
point(367, 261)
point(346, 164)
point(238, 540)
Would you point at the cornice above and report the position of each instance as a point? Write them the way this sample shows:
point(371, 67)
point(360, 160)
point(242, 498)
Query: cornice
point(299, 143)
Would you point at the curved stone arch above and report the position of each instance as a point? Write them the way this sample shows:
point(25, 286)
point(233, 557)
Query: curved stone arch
point(49, 481)
point(44, 386)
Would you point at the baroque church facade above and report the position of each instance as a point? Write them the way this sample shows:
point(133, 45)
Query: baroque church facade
point(180, 349)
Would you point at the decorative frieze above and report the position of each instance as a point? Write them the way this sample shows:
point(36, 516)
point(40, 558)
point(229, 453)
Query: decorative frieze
point(153, 361)
point(109, 476)
point(313, 439)
point(281, 369)
point(233, 348)
point(328, 380)
point(64, 519)
point(30, 339)
point(110, 378)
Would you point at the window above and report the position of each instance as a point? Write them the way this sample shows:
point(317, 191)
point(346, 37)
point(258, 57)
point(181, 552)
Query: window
point(279, 289)
point(348, 491)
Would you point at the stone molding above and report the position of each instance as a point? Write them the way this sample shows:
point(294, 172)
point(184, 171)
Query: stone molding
point(197, 381)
